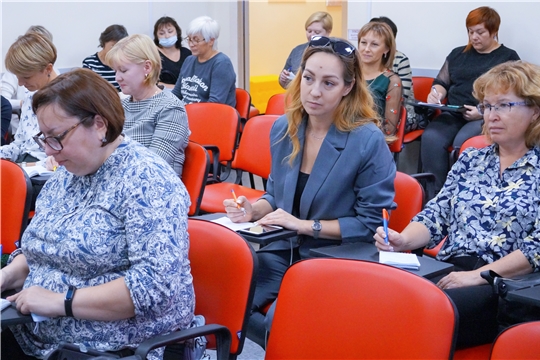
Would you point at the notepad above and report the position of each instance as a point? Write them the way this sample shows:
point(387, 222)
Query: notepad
point(225, 221)
point(5, 304)
point(399, 259)
point(36, 170)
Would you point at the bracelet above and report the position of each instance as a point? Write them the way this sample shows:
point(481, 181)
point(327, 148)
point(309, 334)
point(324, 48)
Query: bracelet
point(68, 300)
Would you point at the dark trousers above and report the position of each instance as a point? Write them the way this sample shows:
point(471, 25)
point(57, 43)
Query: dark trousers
point(272, 267)
point(444, 131)
point(476, 306)
point(11, 348)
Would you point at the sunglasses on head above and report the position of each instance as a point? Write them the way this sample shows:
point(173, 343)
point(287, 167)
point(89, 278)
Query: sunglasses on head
point(339, 46)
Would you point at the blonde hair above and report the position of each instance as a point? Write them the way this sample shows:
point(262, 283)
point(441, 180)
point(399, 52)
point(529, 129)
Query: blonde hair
point(137, 49)
point(355, 109)
point(385, 32)
point(323, 17)
point(29, 54)
point(520, 77)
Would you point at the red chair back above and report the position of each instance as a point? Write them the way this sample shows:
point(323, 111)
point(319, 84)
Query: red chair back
point(253, 154)
point(520, 341)
point(194, 174)
point(350, 309)
point(243, 102)
point(397, 145)
point(422, 87)
point(223, 266)
point(16, 197)
point(409, 199)
point(478, 142)
point(214, 124)
point(276, 105)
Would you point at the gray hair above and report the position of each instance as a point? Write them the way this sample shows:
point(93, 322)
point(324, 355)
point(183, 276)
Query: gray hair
point(39, 29)
point(205, 26)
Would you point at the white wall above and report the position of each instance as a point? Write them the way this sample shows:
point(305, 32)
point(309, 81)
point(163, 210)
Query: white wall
point(429, 30)
point(76, 25)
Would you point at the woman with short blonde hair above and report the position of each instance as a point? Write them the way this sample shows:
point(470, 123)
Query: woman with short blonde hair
point(154, 118)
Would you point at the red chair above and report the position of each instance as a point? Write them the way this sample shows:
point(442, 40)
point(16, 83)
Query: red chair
point(243, 106)
point(520, 341)
point(223, 266)
point(396, 146)
point(195, 174)
point(350, 309)
point(214, 126)
point(276, 105)
point(16, 197)
point(409, 199)
point(252, 156)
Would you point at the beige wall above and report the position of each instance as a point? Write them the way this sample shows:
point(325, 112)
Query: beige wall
point(276, 27)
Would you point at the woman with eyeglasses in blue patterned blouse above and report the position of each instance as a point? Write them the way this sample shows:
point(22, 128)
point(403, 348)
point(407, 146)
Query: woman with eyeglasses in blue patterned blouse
point(489, 206)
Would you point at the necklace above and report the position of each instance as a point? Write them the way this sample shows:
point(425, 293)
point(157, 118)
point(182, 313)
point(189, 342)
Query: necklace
point(316, 137)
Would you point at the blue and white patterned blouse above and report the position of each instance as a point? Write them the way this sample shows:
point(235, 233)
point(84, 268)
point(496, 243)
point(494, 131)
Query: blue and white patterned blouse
point(485, 214)
point(129, 220)
point(28, 127)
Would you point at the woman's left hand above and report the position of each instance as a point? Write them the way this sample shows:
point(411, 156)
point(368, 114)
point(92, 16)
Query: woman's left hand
point(472, 113)
point(457, 279)
point(39, 301)
point(281, 218)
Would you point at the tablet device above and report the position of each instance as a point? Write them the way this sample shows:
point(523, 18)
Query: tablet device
point(443, 107)
point(260, 230)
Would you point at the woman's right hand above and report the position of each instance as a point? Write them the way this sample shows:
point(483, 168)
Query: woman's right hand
point(395, 240)
point(434, 98)
point(284, 78)
point(51, 164)
point(240, 211)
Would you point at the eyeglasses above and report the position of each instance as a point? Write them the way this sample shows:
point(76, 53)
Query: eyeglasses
point(54, 142)
point(194, 41)
point(503, 108)
point(339, 46)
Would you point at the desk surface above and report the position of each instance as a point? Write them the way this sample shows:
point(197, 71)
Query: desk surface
point(429, 268)
point(10, 316)
point(261, 240)
point(530, 296)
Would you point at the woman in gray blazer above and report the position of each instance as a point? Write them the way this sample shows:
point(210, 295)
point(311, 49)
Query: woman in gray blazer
point(332, 172)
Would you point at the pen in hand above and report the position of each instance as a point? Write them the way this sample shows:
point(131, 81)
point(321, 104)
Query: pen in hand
point(236, 201)
point(437, 93)
point(385, 219)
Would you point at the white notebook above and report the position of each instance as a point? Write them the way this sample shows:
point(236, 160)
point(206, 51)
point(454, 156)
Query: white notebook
point(5, 304)
point(399, 259)
point(37, 169)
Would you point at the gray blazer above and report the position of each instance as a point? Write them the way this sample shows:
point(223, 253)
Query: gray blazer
point(352, 181)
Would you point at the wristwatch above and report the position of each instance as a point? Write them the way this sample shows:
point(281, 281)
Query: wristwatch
point(68, 300)
point(316, 227)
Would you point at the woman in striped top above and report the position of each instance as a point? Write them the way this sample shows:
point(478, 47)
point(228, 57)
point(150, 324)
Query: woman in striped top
point(96, 62)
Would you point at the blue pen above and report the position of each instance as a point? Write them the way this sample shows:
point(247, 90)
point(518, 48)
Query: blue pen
point(437, 93)
point(385, 219)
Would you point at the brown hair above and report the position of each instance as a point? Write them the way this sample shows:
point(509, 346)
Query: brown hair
point(84, 94)
point(385, 32)
point(523, 79)
point(355, 109)
point(483, 15)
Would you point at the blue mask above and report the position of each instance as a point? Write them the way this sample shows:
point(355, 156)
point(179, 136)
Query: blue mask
point(168, 42)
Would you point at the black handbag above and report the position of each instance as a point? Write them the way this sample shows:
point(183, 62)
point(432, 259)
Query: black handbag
point(513, 312)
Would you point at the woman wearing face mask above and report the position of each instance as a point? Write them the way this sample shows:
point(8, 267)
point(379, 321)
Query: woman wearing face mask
point(110, 36)
point(455, 83)
point(168, 39)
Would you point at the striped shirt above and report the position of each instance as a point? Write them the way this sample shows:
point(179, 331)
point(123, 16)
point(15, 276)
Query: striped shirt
point(93, 63)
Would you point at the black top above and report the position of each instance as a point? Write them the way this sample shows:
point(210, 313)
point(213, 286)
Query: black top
point(300, 186)
point(6, 117)
point(461, 69)
point(171, 69)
